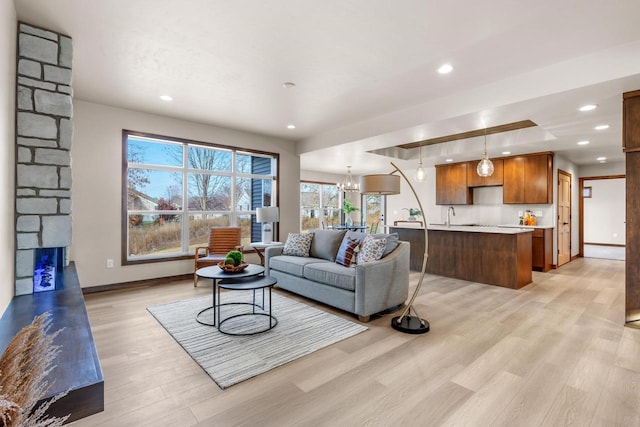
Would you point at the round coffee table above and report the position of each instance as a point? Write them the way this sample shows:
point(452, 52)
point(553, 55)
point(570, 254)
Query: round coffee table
point(253, 284)
point(215, 274)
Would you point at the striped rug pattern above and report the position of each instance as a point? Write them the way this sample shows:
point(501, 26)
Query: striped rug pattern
point(228, 360)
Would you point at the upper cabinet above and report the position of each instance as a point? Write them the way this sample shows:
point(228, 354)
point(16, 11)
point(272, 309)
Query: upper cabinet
point(631, 121)
point(528, 179)
point(475, 180)
point(451, 185)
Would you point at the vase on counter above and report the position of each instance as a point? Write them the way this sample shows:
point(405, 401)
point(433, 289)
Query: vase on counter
point(348, 221)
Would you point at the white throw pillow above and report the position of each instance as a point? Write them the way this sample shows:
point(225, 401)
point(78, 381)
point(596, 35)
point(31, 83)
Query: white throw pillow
point(372, 249)
point(298, 244)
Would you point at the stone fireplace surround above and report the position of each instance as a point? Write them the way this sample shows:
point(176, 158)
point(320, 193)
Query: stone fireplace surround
point(44, 131)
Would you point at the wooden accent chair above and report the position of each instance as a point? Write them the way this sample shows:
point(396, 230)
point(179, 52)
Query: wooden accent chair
point(221, 241)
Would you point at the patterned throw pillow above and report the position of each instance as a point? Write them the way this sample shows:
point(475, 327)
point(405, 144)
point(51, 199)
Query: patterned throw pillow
point(372, 249)
point(346, 253)
point(298, 244)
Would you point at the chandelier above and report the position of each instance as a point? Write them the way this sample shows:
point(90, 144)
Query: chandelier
point(348, 185)
point(485, 167)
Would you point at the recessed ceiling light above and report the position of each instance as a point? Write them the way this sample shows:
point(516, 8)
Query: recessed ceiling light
point(600, 159)
point(601, 127)
point(588, 107)
point(449, 160)
point(445, 69)
point(166, 98)
point(288, 85)
point(582, 142)
point(506, 152)
point(291, 126)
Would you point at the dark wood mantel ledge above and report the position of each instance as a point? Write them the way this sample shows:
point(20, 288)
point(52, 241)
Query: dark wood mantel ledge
point(78, 367)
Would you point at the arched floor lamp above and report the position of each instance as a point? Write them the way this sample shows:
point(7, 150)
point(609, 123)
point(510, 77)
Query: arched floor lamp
point(385, 185)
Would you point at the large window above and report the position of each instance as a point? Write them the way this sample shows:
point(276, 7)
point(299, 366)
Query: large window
point(175, 191)
point(319, 205)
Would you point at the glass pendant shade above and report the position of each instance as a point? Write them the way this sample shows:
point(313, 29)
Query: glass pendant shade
point(421, 173)
point(485, 167)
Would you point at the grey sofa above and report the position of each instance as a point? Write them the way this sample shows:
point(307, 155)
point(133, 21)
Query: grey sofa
point(363, 290)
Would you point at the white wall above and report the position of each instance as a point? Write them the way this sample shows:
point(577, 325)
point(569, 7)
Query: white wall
point(8, 28)
point(97, 186)
point(604, 212)
point(602, 169)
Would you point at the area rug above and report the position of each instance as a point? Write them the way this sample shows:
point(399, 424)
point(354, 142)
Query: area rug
point(228, 360)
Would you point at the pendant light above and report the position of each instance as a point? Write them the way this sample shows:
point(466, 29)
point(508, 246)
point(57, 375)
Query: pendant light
point(348, 185)
point(421, 173)
point(485, 167)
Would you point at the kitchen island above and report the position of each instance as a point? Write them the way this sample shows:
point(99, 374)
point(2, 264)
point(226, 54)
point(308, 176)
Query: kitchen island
point(492, 255)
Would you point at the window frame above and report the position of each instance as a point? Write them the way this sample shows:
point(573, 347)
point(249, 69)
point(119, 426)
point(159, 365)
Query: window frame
point(184, 211)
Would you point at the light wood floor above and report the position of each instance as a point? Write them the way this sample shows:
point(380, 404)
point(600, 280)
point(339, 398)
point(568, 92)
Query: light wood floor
point(553, 353)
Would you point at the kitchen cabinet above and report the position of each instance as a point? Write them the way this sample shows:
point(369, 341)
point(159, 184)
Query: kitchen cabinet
point(528, 179)
point(541, 249)
point(451, 185)
point(475, 180)
point(631, 121)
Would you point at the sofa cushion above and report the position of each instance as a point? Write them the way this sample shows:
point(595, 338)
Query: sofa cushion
point(392, 242)
point(325, 243)
point(331, 274)
point(346, 253)
point(298, 244)
point(372, 249)
point(293, 265)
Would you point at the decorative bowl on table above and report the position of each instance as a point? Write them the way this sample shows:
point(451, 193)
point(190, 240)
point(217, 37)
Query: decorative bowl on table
point(229, 268)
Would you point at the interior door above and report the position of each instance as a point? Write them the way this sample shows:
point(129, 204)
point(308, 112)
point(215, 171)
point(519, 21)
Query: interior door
point(564, 217)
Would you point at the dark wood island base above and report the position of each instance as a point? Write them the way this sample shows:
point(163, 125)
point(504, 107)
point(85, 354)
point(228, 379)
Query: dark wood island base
point(492, 258)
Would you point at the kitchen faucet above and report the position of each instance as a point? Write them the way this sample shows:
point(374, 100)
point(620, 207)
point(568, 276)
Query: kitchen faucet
point(449, 212)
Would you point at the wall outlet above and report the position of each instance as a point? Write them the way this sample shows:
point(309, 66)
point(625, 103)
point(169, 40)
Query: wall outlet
point(109, 263)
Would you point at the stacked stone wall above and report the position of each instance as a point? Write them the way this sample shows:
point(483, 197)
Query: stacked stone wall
point(44, 132)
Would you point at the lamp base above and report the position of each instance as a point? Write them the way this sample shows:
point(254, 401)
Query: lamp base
point(410, 325)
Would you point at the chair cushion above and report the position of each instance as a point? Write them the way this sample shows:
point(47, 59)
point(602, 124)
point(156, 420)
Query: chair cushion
point(298, 244)
point(211, 258)
point(325, 243)
point(330, 273)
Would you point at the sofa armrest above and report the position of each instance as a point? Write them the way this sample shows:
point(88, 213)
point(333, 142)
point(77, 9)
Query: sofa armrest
point(269, 252)
point(383, 283)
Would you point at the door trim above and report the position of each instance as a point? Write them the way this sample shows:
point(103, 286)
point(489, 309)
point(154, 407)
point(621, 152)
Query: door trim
point(567, 174)
point(581, 206)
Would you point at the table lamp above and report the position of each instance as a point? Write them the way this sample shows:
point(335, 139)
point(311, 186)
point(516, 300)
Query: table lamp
point(385, 185)
point(267, 216)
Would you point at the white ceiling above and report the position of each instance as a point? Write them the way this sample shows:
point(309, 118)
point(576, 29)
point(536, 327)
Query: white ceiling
point(365, 71)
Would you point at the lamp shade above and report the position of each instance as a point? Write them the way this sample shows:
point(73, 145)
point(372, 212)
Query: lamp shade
point(268, 214)
point(382, 185)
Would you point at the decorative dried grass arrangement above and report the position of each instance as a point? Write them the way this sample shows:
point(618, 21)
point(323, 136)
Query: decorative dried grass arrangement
point(24, 366)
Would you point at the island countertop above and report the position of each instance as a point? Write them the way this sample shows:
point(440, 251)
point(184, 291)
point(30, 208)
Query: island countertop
point(502, 229)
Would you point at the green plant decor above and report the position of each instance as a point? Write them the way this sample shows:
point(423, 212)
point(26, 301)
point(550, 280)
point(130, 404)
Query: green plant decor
point(347, 207)
point(413, 213)
point(236, 256)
